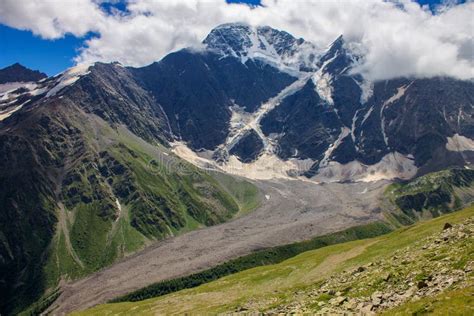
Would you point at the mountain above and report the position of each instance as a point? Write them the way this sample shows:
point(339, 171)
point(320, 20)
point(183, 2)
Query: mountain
point(19, 73)
point(102, 160)
point(278, 48)
point(279, 99)
point(342, 125)
point(86, 180)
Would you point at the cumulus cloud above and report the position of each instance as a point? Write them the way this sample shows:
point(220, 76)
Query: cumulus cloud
point(398, 38)
point(52, 19)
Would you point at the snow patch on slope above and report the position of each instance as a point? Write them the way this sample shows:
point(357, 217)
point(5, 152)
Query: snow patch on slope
point(367, 89)
point(353, 126)
point(459, 143)
point(322, 81)
point(276, 48)
point(241, 122)
point(367, 115)
point(327, 154)
point(9, 112)
point(69, 77)
point(9, 87)
point(400, 93)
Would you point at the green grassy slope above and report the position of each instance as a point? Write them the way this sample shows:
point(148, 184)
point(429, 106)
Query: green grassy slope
point(451, 302)
point(430, 195)
point(109, 193)
point(156, 199)
point(245, 193)
point(277, 287)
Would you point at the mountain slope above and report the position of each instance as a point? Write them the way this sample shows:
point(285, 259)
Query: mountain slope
point(246, 80)
point(430, 195)
point(19, 73)
point(82, 189)
point(351, 277)
point(372, 130)
point(197, 89)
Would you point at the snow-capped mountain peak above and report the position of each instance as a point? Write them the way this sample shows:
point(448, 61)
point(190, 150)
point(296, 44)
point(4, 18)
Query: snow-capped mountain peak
point(272, 46)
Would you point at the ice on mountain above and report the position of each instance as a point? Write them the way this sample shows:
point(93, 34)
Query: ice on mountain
point(327, 154)
point(69, 77)
point(8, 112)
point(400, 92)
point(277, 48)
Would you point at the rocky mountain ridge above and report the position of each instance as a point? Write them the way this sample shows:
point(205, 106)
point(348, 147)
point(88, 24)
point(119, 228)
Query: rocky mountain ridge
point(319, 121)
point(19, 73)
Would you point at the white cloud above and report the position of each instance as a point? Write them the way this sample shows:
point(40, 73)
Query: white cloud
point(400, 39)
point(52, 19)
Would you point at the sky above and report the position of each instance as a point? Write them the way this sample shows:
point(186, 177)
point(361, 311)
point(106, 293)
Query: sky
point(399, 38)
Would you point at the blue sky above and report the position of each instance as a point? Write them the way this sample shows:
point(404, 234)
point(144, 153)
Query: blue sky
point(53, 56)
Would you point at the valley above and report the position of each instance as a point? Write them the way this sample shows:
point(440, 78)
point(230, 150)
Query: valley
point(433, 273)
point(294, 211)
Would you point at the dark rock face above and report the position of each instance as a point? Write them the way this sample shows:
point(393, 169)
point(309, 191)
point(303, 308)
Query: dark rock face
point(409, 116)
point(418, 119)
point(196, 90)
point(110, 92)
point(19, 73)
point(337, 59)
point(307, 123)
point(248, 148)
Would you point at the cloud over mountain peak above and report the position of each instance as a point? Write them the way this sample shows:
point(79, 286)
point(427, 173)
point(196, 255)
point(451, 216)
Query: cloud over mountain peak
point(396, 39)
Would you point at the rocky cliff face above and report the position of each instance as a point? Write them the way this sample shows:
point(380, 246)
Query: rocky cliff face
point(279, 99)
point(348, 127)
point(19, 73)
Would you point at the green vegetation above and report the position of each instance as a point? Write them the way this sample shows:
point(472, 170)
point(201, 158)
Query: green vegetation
point(42, 304)
point(453, 302)
point(89, 237)
point(114, 194)
point(267, 287)
point(259, 258)
point(245, 193)
point(127, 195)
point(431, 195)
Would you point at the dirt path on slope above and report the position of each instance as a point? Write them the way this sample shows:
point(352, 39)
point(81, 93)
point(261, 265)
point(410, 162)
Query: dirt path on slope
point(294, 211)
